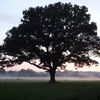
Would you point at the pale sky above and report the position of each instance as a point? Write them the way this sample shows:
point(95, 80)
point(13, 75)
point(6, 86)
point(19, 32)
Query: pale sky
point(11, 11)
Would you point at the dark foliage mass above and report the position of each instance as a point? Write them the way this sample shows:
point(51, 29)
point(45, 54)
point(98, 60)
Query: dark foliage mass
point(53, 34)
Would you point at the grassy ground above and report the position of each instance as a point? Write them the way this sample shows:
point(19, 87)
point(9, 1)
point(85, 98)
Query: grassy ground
point(45, 91)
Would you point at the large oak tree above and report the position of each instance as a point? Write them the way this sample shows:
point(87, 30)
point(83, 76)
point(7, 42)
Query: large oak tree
point(53, 35)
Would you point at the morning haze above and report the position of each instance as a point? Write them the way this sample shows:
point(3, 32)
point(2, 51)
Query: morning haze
point(48, 49)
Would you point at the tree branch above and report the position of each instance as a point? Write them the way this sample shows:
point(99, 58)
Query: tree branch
point(41, 67)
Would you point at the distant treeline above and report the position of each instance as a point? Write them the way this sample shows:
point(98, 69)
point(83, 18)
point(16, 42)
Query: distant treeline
point(31, 73)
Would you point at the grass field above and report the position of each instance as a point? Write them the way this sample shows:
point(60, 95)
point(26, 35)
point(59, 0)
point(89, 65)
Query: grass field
point(69, 90)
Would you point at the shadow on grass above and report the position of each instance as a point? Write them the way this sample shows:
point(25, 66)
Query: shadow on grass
point(98, 97)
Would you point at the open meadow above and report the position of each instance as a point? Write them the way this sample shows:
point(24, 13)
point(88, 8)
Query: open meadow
point(42, 90)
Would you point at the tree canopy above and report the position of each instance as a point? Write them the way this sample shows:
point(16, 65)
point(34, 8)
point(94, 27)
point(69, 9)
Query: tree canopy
point(54, 34)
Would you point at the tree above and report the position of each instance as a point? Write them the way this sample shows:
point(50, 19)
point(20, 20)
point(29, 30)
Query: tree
point(53, 35)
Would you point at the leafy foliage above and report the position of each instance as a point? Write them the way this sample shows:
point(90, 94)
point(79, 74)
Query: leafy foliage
point(54, 34)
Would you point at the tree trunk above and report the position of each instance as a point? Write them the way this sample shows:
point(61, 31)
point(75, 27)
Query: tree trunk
point(52, 75)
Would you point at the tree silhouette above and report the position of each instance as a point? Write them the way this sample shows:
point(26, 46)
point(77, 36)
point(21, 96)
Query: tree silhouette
point(54, 34)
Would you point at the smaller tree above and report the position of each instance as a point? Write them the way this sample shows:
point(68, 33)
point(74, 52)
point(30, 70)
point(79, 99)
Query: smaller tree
point(54, 34)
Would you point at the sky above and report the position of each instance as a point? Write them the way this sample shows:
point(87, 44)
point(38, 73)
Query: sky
point(11, 11)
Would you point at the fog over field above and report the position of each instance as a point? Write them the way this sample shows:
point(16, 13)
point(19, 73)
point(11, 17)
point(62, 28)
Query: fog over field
point(30, 75)
point(26, 79)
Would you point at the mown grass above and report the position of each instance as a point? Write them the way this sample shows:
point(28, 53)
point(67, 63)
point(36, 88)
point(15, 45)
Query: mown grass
point(45, 91)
